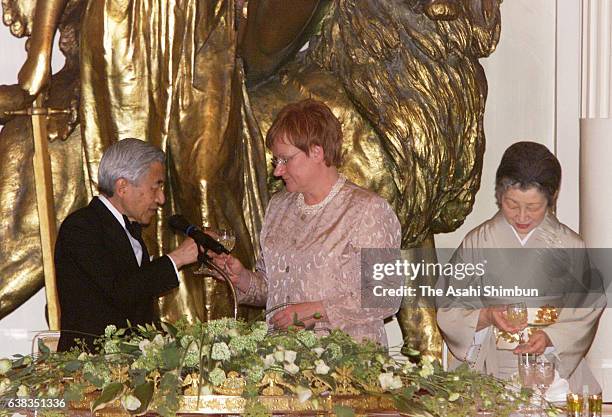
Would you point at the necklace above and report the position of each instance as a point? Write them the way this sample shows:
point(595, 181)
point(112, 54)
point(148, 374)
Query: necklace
point(313, 209)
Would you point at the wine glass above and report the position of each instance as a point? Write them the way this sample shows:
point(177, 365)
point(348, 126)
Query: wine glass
point(226, 237)
point(527, 369)
point(544, 376)
point(516, 314)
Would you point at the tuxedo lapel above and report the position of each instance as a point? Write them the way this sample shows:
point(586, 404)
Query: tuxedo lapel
point(115, 233)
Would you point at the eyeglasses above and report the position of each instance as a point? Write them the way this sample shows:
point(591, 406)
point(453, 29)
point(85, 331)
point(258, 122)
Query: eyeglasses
point(277, 161)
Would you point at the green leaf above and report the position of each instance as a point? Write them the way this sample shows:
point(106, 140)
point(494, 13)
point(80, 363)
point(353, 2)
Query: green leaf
point(44, 349)
point(138, 376)
point(74, 392)
point(168, 327)
point(144, 393)
point(171, 357)
point(94, 380)
point(72, 366)
point(343, 411)
point(128, 348)
point(109, 394)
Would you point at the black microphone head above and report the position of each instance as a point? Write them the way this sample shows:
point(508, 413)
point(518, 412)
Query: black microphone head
point(179, 223)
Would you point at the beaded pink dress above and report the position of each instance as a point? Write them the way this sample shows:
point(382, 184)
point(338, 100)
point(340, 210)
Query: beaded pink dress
point(314, 255)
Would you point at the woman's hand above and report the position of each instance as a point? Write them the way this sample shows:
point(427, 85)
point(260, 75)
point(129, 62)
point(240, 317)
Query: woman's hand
point(537, 343)
point(233, 268)
point(307, 313)
point(496, 316)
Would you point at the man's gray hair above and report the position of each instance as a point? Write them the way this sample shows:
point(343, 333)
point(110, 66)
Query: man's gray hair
point(128, 158)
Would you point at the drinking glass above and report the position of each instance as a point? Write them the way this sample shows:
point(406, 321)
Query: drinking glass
point(516, 314)
point(544, 376)
point(527, 369)
point(226, 237)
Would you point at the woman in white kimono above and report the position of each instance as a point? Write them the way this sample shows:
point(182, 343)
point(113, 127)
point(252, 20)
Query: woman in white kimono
point(527, 184)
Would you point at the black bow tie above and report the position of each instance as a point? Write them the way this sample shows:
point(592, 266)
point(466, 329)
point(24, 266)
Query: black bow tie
point(134, 228)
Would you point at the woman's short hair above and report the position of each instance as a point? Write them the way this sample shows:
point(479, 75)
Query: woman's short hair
point(128, 158)
point(305, 124)
point(527, 165)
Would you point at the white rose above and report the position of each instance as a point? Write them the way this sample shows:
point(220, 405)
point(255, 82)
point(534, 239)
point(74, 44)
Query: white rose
point(232, 332)
point(158, 340)
point(5, 384)
point(290, 356)
point(279, 355)
point(388, 381)
point(303, 393)
point(130, 402)
point(22, 391)
point(5, 366)
point(319, 351)
point(269, 361)
point(292, 368)
point(144, 345)
point(321, 368)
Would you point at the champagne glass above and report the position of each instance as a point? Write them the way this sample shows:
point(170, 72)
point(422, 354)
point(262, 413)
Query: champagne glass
point(516, 314)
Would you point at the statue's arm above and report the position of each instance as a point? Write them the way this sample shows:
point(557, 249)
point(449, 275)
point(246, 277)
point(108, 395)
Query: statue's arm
point(275, 30)
point(36, 71)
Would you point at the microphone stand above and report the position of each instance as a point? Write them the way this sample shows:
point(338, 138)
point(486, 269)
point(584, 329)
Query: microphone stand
point(207, 262)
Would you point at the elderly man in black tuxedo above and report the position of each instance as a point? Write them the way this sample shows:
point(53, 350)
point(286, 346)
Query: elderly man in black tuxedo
point(104, 273)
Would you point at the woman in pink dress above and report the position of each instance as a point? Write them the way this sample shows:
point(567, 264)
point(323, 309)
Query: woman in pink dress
point(314, 231)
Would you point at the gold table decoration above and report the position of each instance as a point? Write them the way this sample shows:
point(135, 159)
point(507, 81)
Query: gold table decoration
point(281, 404)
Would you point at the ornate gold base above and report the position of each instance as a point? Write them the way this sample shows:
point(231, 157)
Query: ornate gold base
point(226, 404)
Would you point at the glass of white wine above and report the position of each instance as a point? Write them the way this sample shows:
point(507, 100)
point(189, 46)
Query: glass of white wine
point(226, 237)
point(516, 314)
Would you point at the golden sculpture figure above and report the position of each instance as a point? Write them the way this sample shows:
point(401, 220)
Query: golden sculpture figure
point(402, 75)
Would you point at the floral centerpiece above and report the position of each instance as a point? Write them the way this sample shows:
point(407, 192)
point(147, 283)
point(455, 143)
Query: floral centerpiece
point(149, 370)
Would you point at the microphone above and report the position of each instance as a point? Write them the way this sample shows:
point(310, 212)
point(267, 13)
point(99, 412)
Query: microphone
point(180, 224)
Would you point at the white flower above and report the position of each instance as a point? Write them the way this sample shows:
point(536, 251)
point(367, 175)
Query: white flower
point(144, 345)
point(388, 381)
point(319, 351)
point(426, 370)
point(408, 366)
point(130, 402)
point(321, 368)
point(220, 352)
point(290, 356)
point(53, 391)
point(22, 391)
point(232, 332)
point(292, 368)
point(303, 393)
point(5, 366)
point(217, 376)
point(279, 355)
point(5, 384)
point(158, 340)
point(269, 361)
point(110, 330)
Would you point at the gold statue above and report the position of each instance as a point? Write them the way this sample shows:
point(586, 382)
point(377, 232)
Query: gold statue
point(202, 80)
